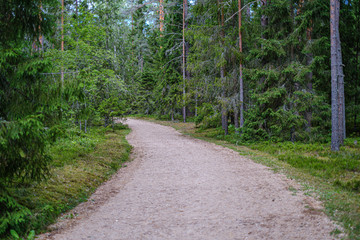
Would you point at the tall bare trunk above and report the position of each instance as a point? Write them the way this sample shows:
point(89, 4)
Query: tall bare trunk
point(35, 46)
point(264, 24)
point(358, 65)
point(293, 22)
point(62, 39)
point(335, 144)
point(309, 59)
point(141, 63)
point(308, 114)
point(241, 69)
point(161, 16)
point(224, 117)
point(41, 38)
point(264, 17)
point(309, 76)
point(185, 7)
point(236, 118)
point(196, 102)
point(340, 78)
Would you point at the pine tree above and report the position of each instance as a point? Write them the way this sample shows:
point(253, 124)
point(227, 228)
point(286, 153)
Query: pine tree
point(337, 80)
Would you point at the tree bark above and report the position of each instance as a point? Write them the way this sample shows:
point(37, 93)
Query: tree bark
point(196, 103)
point(241, 93)
point(236, 119)
point(335, 144)
point(185, 50)
point(264, 17)
point(62, 40)
point(224, 118)
point(358, 65)
point(340, 77)
point(161, 17)
point(309, 59)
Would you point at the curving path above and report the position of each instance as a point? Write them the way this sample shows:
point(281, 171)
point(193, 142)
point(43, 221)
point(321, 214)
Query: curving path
point(178, 187)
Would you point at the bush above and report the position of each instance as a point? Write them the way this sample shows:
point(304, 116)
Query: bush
point(13, 215)
point(208, 117)
point(22, 150)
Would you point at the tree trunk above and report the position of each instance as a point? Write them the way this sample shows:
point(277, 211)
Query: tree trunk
point(340, 77)
point(335, 144)
point(35, 47)
point(224, 119)
point(196, 103)
point(161, 17)
point(292, 14)
point(308, 113)
point(309, 59)
point(185, 7)
point(62, 40)
point(241, 93)
point(141, 63)
point(264, 18)
point(358, 66)
point(357, 61)
point(248, 12)
point(236, 119)
point(106, 121)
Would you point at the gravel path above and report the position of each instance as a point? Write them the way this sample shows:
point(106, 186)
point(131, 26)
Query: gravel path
point(178, 187)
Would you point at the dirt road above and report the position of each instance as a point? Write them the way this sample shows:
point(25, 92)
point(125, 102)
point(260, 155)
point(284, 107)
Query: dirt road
point(182, 188)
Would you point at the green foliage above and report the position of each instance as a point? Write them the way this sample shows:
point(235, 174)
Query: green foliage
point(81, 163)
point(28, 112)
point(13, 215)
point(16, 236)
point(22, 150)
point(18, 19)
point(161, 78)
point(38, 105)
point(208, 116)
point(285, 61)
point(112, 107)
point(115, 64)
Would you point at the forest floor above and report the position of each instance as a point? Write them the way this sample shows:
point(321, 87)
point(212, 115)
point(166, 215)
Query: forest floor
point(178, 187)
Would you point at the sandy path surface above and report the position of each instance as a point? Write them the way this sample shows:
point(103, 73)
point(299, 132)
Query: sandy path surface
point(182, 188)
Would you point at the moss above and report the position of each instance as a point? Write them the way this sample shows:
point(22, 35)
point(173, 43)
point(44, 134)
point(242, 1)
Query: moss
point(81, 163)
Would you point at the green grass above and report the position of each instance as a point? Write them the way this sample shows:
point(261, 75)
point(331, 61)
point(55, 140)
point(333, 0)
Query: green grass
point(332, 177)
point(81, 162)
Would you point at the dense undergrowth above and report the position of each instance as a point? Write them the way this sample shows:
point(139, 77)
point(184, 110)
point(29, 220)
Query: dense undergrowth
point(81, 162)
point(333, 177)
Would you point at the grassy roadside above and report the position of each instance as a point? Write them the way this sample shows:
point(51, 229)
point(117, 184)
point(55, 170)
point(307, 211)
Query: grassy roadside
point(81, 162)
point(334, 178)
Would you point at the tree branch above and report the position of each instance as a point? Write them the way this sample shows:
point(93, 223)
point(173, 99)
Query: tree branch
point(246, 5)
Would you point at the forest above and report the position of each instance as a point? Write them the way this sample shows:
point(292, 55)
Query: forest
point(256, 71)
